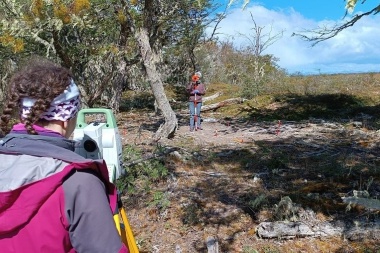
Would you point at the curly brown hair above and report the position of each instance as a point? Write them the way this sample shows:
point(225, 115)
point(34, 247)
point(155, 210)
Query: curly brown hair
point(41, 80)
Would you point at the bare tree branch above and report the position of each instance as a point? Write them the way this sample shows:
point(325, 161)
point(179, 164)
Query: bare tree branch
point(218, 19)
point(325, 33)
point(259, 41)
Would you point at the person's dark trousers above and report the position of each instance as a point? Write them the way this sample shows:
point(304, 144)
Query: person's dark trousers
point(192, 113)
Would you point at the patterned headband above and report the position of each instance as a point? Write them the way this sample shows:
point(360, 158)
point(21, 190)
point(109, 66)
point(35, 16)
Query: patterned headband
point(63, 107)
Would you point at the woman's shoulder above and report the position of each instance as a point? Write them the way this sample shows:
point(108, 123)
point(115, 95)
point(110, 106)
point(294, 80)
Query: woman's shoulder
point(83, 179)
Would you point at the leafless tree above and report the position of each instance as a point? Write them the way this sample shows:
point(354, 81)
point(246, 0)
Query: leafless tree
point(259, 41)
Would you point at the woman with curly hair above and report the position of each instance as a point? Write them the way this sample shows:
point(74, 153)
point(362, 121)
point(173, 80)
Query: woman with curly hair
point(52, 200)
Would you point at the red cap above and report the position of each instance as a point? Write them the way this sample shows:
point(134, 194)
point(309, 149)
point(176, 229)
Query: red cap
point(195, 78)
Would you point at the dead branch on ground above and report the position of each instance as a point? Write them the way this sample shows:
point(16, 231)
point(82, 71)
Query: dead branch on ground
point(204, 99)
point(215, 106)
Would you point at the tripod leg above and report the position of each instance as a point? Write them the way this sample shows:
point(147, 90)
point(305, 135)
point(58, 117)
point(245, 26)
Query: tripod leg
point(195, 113)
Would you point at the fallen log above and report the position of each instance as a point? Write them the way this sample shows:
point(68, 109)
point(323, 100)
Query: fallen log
point(369, 204)
point(355, 231)
point(215, 106)
point(222, 103)
point(297, 229)
point(204, 99)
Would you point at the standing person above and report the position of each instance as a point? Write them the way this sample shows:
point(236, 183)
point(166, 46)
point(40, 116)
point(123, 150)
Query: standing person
point(52, 199)
point(196, 90)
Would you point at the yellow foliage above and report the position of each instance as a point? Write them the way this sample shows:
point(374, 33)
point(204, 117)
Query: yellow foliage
point(7, 39)
point(37, 8)
point(134, 2)
point(27, 17)
point(80, 5)
point(113, 49)
point(61, 11)
point(121, 17)
point(16, 44)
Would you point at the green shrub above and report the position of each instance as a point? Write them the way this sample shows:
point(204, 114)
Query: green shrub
point(142, 174)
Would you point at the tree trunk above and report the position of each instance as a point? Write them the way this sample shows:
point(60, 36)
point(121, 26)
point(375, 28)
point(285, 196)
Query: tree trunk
point(166, 130)
point(114, 99)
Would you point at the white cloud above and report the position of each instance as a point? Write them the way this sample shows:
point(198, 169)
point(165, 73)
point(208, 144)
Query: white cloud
point(356, 49)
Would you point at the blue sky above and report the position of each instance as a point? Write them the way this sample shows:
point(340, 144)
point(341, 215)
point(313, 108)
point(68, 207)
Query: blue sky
point(355, 50)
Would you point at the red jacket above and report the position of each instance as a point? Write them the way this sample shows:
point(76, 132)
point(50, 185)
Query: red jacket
point(194, 86)
point(61, 204)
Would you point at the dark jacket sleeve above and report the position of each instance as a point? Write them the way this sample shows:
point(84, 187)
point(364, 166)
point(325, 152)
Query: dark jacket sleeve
point(189, 87)
point(201, 88)
point(92, 228)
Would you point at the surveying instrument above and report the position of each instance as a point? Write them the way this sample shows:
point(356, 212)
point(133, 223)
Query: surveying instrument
point(98, 137)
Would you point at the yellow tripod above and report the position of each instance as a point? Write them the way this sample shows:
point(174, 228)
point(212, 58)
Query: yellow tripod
point(124, 229)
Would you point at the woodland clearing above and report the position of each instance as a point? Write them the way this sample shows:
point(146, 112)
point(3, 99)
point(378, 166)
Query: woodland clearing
point(275, 181)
